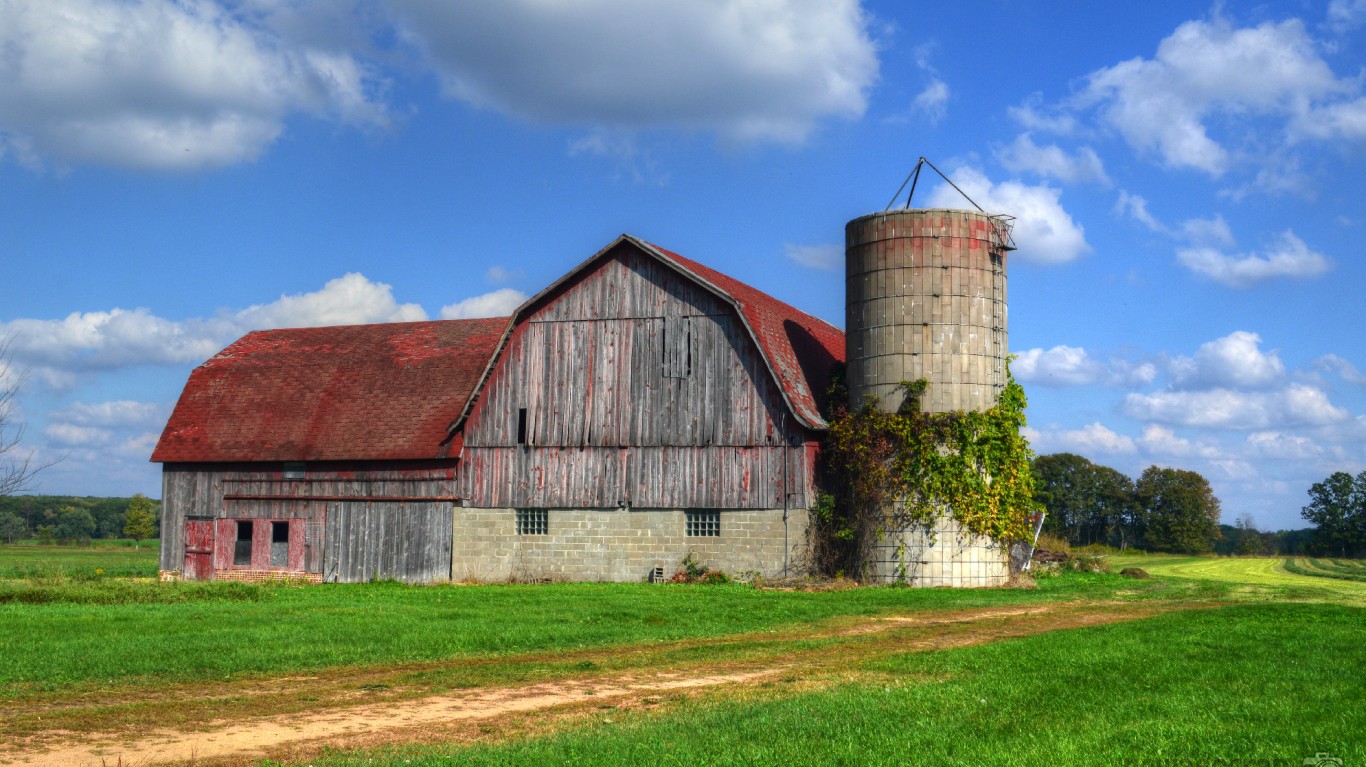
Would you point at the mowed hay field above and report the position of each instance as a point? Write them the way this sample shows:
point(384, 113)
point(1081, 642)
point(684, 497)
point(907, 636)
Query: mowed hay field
point(1210, 661)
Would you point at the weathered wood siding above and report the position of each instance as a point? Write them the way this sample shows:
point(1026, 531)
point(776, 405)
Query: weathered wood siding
point(413, 500)
point(633, 385)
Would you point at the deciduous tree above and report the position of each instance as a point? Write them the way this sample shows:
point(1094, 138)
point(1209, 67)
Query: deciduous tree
point(1180, 510)
point(1337, 507)
point(141, 522)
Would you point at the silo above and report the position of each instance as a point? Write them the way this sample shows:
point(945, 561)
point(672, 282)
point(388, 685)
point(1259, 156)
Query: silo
point(926, 298)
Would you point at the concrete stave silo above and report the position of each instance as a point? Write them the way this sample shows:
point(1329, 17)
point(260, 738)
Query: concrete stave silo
point(926, 298)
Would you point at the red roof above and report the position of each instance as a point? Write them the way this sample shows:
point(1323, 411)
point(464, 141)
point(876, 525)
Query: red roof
point(369, 392)
point(801, 350)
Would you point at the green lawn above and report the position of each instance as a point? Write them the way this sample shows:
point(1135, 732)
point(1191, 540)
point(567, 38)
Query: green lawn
point(112, 558)
point(1246, 572)
point(1247, 684)
point(202, 631)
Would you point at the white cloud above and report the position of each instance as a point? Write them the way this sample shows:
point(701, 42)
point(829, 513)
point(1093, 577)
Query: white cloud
point(1344, 369)
point(1288, 258)
point(1044, 232)
point(1034, 115)
point(1206, 69)
point(1023, 155)
point(1207, 232)
point(1162, 442)
point(499, 274)
point(1344, 120)
point(57, 351)
point(116, 413)
point(1294, 405)
point(746, 69)
point(933, 100)
point(1234, 361)
point(1090, 439)
point(1136, 207)
point(499, 303)
point(160, 84)
point(1073, 366)
point(826, 257)
point(1280, 445)
point(347, 300)
point(1345, 15)
point(1059, 366)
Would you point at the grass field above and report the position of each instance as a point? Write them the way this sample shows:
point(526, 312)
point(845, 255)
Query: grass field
point(112, 558)
point(1219, 660)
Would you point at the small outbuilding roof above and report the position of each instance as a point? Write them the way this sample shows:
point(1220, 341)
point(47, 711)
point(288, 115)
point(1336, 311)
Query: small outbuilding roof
point(374, 392)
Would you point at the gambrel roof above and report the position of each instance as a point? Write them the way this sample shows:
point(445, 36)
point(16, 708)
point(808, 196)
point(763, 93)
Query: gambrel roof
point(403, 390)
point(357, 392)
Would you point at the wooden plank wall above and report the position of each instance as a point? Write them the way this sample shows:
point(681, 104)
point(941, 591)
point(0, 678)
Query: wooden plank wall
point(404, 541)
point(639, 387)
point(259, 491)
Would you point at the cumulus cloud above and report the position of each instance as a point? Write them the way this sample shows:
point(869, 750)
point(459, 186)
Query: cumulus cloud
point(347, 300)
point(1276, 444)
point(1136, 207)
point(1023, 155)
point(1289, 258)
point(1345, 15)
point(1090, 439)
point(1161, 441)
point(499, 303)
point(1294, 405)
point(1205, 69)
point(1234, 361)
point(161, 84)
point(56, 350)
point(826, 257)
point(1073, 366)
point(1044, 232)
point(746, 69)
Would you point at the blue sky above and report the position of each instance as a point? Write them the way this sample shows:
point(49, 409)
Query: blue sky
point(1187, 183)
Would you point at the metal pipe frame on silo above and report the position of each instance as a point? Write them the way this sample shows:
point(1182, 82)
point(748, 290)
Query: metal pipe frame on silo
point(926, 298)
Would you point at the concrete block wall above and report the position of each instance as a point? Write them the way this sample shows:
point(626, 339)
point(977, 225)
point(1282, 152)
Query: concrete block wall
point(622, 544)
point(942, 554)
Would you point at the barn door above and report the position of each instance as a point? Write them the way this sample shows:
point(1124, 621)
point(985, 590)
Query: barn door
point(198, 549)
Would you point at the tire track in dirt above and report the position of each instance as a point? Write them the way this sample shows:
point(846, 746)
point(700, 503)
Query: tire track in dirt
point(299, 734)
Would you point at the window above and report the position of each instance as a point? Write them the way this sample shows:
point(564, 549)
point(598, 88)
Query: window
point(293, 470)
point(241, 551)
point(532, 522)
point(521, 426)
point(702, 523)
point(279, 544)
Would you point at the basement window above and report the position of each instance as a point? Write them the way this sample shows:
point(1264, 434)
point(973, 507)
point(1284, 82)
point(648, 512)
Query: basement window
point(279, 544)
point(702, 523)
point(241, 550)
point(533, 522)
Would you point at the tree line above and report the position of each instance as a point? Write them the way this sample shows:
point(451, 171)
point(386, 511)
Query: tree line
point(75, 519)
point(1175, 510)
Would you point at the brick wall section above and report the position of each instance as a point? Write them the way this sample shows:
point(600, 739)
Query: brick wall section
point(621, 545)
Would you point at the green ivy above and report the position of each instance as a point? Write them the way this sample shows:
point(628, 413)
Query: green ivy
point(887, 471)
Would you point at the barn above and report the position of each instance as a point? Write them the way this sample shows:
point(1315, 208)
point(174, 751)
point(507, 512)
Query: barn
point(641, 409)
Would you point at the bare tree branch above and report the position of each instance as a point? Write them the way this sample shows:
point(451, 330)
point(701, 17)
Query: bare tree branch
point(18, 469)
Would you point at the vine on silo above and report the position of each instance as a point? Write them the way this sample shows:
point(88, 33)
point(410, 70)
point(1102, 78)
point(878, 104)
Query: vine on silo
point(888, 471)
